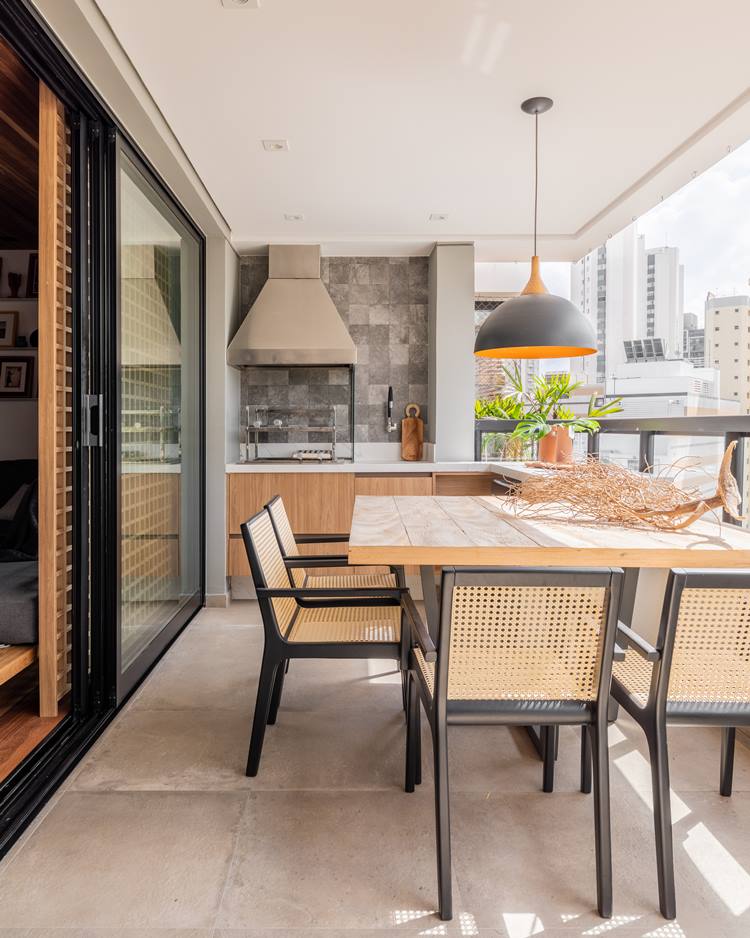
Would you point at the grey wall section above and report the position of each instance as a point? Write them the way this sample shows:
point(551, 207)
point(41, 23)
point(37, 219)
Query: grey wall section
point(222, 402)
point(451, 345)
point(383, 302)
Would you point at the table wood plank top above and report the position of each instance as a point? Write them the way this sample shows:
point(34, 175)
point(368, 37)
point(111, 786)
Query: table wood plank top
point(482, 530)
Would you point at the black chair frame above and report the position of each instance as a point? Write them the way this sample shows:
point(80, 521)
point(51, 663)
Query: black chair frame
point(442, 712)
point(659, 711)
point(278, 651)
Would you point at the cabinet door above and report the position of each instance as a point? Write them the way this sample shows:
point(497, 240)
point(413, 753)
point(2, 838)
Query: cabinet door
point(316, 502)
point(411, 484)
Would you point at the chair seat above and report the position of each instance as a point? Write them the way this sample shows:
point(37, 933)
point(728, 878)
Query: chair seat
point(352, 581)
point(347, 624)
point(729, 683)
point(506, 679)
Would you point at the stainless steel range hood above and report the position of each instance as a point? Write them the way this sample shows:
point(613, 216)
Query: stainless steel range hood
point(293, 321)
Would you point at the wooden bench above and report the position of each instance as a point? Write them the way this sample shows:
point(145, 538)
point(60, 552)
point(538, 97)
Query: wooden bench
point(14, 659)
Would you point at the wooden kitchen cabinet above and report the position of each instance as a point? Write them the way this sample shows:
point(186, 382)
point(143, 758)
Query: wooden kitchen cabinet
point(316, 502)
point(411, 484)
point(463, 483)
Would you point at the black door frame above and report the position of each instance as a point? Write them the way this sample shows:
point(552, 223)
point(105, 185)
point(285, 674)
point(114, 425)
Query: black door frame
point(94, 136)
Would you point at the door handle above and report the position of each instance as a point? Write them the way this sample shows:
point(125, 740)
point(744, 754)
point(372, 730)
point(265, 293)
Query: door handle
point(92, 419)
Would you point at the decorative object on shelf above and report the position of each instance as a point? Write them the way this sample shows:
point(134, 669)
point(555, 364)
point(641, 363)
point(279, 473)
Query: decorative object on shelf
point(604, 493)
point(535, 324)
point(8, 328)
point(14, 283)
point(34, 339)
point(412, 434)
point(22, 341)
point(32, 275)
point(542, 416)
point(16, 377)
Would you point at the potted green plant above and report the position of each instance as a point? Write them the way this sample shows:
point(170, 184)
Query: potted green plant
point(543, 417)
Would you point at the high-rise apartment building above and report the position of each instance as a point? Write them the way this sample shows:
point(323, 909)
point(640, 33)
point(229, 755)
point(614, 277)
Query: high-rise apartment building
point(660, 316)
point(607, 285)
point(693, 340)
point(728, 345)
point(629, 291)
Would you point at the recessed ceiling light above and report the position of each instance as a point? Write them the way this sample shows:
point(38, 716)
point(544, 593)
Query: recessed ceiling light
point(241, 4)
point(438, 216)
point(275, 145)
point(290, 217)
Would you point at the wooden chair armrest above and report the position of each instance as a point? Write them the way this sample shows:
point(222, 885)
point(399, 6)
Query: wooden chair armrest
point(627, 638)
point(419, 629)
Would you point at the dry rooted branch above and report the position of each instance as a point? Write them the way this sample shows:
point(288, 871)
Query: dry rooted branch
point(603, 493)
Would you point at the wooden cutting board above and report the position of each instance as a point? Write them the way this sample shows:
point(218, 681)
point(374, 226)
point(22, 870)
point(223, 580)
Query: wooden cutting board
point(412, 433)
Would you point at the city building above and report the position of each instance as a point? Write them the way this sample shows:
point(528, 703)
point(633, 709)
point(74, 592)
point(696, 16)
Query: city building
point(728, 345)
point(661, 314)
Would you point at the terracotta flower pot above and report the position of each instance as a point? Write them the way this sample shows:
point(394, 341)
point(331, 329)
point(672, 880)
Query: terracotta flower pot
point(547, 450)
point(556, 446)
point(564, 444)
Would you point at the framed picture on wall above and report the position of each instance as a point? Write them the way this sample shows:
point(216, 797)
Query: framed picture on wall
point(16, 377)
point(8, 328)
point(32, 275)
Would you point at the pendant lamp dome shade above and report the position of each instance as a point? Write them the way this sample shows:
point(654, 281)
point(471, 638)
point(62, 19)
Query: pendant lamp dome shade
point(535, 324)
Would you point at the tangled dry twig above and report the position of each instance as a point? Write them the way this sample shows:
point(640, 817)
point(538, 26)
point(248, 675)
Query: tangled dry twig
point(604, 493)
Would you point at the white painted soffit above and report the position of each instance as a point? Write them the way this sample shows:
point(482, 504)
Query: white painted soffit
point(395, 111)
point(84, 31)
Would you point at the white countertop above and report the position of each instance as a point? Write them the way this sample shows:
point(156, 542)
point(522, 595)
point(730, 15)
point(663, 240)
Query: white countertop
point(361, 467)
point(511, 470)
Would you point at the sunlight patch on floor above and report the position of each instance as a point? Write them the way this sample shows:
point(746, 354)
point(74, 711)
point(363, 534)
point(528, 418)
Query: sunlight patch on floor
point(637, 771)
point(728, 879)
point(667, 930)
point(610, 924)
point(615, 735)
point(522, 924)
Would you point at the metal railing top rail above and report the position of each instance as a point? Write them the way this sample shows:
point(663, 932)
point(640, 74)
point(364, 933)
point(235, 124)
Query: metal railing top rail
point(708, 425)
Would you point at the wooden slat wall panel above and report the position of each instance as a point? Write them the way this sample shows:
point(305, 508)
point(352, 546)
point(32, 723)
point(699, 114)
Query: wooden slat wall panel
point(55, 405)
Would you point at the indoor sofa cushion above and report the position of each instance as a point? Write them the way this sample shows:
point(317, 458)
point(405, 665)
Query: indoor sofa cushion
point(19, 603)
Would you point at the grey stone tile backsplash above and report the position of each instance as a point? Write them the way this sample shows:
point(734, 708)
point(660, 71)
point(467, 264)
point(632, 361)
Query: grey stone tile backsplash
point(383, 302)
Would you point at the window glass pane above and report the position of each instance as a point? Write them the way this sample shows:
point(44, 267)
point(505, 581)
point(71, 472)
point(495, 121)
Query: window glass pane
point(160, 421)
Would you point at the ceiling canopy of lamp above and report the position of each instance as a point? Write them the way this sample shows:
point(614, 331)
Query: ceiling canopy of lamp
point(535, 324)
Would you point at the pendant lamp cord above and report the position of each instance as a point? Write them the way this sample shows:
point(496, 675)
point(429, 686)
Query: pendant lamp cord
point(536, 172)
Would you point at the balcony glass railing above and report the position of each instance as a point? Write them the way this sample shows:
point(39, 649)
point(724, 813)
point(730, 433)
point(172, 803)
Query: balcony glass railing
point(686, 449)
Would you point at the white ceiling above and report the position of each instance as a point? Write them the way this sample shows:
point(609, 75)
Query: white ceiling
point(395, 109)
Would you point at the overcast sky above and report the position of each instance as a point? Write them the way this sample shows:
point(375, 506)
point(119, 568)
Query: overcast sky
point(709, 221)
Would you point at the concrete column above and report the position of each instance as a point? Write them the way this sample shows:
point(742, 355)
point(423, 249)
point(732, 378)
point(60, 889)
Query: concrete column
point(451, 350)
point(222, 406)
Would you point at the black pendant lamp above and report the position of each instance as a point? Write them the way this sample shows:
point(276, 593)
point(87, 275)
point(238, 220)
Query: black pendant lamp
point(535, 324)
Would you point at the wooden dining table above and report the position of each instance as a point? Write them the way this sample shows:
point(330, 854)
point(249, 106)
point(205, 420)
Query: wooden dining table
point(485, 530)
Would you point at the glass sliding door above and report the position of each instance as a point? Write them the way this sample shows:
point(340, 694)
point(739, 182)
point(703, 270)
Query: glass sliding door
point(160, 457)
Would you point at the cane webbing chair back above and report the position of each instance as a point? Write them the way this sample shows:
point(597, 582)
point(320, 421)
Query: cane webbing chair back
point(524, 634)
point(286, 536)
point(261, 542)
point(706, 635)
point(526, 642)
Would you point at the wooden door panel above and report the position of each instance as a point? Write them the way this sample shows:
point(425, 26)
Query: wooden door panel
point(55, 360)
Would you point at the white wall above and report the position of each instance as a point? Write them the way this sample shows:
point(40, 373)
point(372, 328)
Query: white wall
point(450, 315)
point(222, 405)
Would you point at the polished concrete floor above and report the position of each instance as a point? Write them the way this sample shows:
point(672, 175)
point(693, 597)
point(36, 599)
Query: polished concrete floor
point(158, 832)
